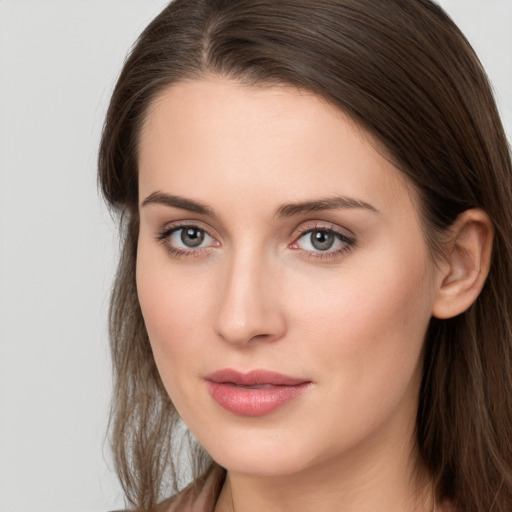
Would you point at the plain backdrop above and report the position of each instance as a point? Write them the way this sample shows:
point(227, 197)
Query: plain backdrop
point(58, 63)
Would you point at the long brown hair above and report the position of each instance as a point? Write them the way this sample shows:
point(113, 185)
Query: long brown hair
point(404, 72)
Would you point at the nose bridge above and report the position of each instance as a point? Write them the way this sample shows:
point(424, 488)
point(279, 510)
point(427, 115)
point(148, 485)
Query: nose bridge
point(249, 303)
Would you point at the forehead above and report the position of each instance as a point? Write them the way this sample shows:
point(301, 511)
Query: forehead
point(258, 139)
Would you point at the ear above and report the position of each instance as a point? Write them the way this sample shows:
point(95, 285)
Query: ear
point(465, 266)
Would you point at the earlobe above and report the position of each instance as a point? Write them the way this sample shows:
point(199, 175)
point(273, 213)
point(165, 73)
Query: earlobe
point(466, 264)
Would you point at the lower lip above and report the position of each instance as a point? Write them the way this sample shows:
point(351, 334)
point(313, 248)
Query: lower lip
point(246, 401)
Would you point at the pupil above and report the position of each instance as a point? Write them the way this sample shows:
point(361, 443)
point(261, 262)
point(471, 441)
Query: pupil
point(192, 237)
point(322, 240)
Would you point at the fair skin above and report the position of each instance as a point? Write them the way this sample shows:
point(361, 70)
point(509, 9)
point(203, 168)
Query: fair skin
point(268, 275)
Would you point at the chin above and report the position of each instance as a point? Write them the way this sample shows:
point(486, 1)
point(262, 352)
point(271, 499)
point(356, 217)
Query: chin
point(262, 464)
point(273, 454)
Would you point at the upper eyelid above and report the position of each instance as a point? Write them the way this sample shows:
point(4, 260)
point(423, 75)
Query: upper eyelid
point(323, 226)
point(176, 225)
point(348, 239)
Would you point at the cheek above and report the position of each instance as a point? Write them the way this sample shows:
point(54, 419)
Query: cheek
point(175, 309)
point(366, 330)
point(376, 301)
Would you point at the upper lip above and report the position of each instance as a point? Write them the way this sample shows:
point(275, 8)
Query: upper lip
point(253, 378)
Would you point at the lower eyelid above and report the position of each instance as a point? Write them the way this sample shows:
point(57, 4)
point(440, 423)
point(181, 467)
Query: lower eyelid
point(330, 255)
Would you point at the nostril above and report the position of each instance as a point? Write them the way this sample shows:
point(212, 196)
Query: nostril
point(249, 304)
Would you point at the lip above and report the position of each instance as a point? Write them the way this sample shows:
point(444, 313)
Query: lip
point(254, 393)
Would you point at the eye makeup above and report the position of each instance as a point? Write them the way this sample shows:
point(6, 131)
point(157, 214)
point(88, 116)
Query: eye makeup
point(188, 239)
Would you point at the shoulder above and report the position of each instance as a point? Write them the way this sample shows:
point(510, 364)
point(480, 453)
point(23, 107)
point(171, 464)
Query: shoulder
point(446, 506)
point(200, 496)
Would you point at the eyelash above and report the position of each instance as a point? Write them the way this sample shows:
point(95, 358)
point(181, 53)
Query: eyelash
point(163, 238)
point(347, 241)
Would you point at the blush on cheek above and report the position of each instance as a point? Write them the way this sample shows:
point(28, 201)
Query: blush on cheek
point(171, 315)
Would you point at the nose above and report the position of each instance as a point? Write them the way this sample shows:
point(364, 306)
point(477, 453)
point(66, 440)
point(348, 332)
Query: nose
point(250, 304)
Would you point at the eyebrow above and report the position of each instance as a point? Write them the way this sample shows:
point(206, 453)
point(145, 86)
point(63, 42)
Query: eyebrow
point(328, 203)
point(178, 202)
point(285, 210)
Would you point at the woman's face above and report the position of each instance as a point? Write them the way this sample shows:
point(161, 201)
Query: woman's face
point(283, 277)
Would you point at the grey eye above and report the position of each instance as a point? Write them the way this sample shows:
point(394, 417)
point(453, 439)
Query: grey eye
point(322, 240)
point(187, 239)
point(192, 237)
point(326, 240)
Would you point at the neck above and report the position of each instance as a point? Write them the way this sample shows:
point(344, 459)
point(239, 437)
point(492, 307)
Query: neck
point(243, 496)
point(382, 476)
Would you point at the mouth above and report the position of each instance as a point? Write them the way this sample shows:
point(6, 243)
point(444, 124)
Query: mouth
point(255, 393)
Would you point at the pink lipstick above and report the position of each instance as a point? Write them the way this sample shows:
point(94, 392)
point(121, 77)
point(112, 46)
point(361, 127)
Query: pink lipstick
point(255, 393)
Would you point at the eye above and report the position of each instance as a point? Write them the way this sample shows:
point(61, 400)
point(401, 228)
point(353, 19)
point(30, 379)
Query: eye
point(184, 240)
point(190, 237)
point(320, 240)
point(323, 240)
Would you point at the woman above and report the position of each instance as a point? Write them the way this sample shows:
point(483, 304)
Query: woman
point(316, 206)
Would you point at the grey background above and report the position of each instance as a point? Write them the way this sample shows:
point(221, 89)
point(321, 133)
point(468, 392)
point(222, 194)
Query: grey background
point(58, 63)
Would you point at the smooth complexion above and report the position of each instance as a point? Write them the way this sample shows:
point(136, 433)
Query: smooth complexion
point(275, 237)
